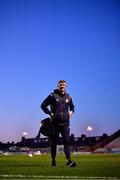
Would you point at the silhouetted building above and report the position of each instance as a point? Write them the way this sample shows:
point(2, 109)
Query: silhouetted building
point(82, 143)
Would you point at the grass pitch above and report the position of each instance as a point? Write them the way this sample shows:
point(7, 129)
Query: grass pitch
point(92, 166)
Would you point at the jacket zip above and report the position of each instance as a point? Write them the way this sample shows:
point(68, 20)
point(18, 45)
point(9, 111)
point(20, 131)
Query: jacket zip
point(62, 113)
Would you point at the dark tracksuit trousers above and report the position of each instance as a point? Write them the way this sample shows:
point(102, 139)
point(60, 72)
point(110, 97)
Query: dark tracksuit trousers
point(65, 132)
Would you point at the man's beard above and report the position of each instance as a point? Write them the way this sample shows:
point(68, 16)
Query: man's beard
point(62, 90)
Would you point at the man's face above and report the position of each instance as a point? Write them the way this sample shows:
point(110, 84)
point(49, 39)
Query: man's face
point(62, 86)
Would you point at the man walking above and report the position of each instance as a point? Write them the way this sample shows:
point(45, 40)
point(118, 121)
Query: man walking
point(61, 109)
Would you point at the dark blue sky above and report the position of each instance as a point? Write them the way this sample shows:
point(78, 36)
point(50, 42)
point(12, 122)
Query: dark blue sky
point(43, 41)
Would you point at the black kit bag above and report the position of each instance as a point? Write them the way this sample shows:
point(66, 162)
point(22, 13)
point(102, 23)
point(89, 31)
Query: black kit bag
point(46, 129)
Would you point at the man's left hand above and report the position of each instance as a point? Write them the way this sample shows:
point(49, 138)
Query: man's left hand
point(70, 114)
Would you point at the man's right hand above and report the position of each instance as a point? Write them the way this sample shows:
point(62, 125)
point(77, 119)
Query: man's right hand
point(51, 115)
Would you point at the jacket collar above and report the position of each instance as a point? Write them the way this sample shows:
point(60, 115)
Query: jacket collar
point(59, 93)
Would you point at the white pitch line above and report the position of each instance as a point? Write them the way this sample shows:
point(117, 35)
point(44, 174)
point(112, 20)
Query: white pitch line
point(56, 177)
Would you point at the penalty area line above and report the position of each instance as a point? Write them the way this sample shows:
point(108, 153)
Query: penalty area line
point(7, 176)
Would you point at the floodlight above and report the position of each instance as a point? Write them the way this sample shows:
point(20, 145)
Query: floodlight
point(25, 133)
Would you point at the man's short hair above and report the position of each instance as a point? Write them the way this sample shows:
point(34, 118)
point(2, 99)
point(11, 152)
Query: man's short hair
point(61, 81)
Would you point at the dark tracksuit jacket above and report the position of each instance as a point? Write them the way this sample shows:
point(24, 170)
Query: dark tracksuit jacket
point(60, 105)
